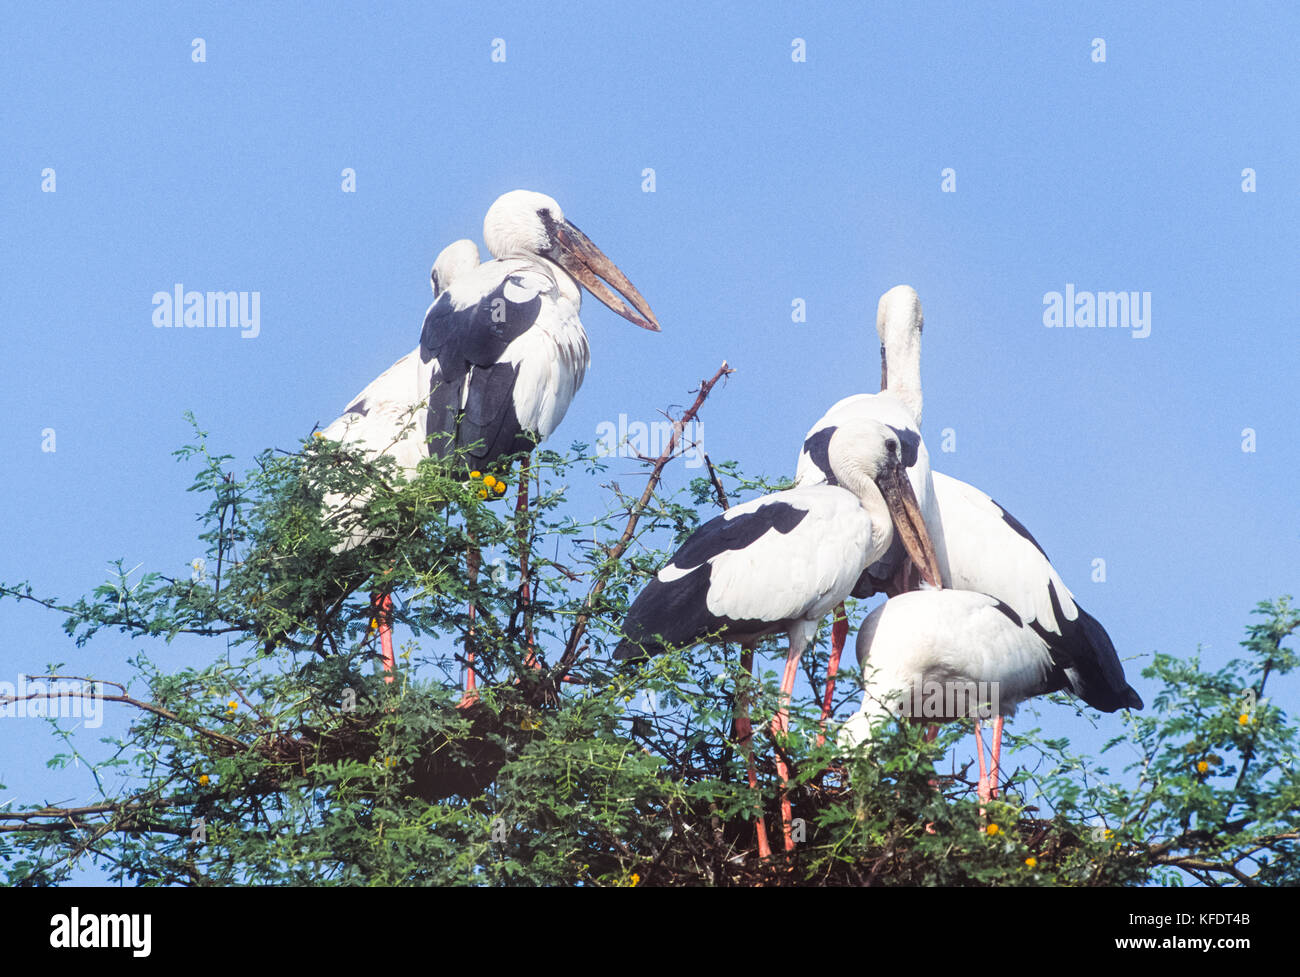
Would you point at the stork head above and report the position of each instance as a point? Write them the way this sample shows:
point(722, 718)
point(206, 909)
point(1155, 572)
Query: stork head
point(867, 459)
point(530, 223)
point(452, 261)
point(898, 324)
point(898, 315)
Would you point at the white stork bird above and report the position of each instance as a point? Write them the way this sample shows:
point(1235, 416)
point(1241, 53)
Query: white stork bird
point(780, 562)
point(899, 322)
point(1011, 620)
point(504, 347)
point(502, 351)
point(940, 655)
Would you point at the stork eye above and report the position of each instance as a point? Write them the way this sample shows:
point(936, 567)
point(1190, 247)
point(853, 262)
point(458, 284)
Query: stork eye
point(891, 446)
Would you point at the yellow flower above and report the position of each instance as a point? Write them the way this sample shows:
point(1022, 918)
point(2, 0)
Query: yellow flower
point(1202, 767)
point(482, 493)
point(475, 474)
point(992, 829)
point(636, 879)
point(1244, 719)
point(1031, 861)
point(232, 707)
point(318, 434)
point(204, 780)
point(489, 481)
point(500, 487)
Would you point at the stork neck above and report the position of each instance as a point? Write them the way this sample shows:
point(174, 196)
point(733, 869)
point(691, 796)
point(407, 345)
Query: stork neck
point(900, 371)
point(854, 478)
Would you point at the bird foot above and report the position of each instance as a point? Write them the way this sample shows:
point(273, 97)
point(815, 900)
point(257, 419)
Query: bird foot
point(470, 698)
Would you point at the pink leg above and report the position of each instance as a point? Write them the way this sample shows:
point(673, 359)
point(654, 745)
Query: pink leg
point(382, 603)
point(983, 787)
point(472, 560)
point(780, 726)
point(997, 752)
point(839, 636)
point(930, 735)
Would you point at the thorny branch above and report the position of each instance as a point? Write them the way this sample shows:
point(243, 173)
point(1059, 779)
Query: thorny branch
point(122, 697)
point(572, 647)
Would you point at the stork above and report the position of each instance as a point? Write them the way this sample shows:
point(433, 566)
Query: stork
point(504, 346)
point(983, 549)
point(780, 562)
point(899, 322)
point(502, 350)
point(940, 655)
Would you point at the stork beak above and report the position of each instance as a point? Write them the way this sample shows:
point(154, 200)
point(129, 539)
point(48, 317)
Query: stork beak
point(588, 264)
point(908, 522)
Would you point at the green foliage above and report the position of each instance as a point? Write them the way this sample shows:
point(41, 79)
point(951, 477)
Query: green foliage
point(288, 759)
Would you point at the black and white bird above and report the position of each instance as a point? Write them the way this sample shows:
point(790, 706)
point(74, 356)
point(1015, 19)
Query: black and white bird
point(388, 418)
point(502, 351)
point(779, 563)
point(504, 346)
point(940, 655)
point(1007, 616)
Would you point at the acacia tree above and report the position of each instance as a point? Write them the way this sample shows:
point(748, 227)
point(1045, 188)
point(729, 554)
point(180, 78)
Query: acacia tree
point(288, 759)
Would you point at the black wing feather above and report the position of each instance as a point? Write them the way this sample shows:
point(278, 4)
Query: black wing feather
point(676, 613)
point(469, 344)
point(1087, 660)
point(489, 420)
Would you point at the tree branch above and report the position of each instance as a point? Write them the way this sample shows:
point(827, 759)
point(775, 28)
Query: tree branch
point(570, 655)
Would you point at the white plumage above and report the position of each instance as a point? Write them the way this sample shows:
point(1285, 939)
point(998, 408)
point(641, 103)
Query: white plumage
point(793, 575)
point(988, 551)
point(502, 351)
point(924, 652)
point(387, 417)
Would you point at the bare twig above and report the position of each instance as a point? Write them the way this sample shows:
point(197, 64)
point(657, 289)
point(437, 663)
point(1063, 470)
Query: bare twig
point(717, 484)
point(570, 655)
point(128, 700)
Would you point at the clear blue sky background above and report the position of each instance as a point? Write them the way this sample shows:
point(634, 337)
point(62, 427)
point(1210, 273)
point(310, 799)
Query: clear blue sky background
point(775, 180)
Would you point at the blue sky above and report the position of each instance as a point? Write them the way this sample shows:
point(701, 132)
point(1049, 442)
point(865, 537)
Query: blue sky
point(774, 180)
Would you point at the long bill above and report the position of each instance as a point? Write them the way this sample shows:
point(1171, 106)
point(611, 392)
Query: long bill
point(588, 264)
point(908, 522)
